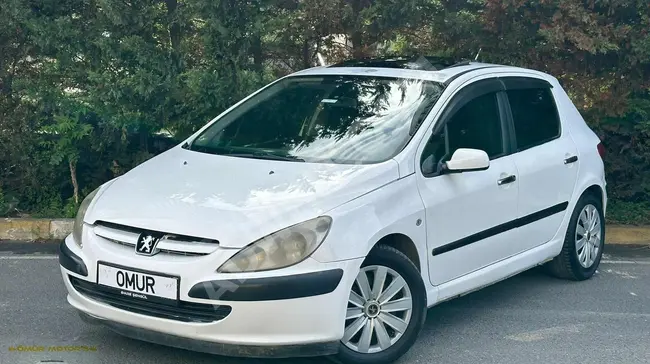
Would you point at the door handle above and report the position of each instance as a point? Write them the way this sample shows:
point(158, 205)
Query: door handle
point(570, 160)
point(511, 178)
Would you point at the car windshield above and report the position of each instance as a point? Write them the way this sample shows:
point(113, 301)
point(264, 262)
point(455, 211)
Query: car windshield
point(325, 119)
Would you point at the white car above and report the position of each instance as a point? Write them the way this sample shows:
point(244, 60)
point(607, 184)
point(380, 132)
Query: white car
point(323, 214)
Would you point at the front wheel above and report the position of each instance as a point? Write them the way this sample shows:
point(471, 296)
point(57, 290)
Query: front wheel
point(386, 309)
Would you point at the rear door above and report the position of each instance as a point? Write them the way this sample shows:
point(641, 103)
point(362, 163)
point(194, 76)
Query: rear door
point(546, 158)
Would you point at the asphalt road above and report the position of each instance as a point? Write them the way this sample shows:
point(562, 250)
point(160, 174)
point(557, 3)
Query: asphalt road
point(530, 318)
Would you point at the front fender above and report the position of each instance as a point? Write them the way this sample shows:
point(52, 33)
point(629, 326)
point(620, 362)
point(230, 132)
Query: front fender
point(359, 224)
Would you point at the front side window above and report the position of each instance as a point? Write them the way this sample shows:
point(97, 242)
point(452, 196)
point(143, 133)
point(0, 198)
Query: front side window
point(534, 116)
point(334, 119)
point(476, 125)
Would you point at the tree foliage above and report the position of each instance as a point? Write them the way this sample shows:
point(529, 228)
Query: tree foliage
point(91, 88)
point(598, 49)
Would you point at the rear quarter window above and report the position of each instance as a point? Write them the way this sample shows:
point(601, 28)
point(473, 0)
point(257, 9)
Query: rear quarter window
point(534, 115)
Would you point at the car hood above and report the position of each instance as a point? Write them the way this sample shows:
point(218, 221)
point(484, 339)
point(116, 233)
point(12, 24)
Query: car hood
point(233, 200)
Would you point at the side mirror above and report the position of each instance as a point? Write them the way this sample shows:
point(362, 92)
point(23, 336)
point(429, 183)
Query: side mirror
point(467, 160)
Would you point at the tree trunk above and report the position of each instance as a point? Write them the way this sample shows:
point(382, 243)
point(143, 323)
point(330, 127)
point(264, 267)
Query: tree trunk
point(174, 33)
point(357, 46)
point(356, 35)
point(256, 50)
point(306, 56)
point(73, 177)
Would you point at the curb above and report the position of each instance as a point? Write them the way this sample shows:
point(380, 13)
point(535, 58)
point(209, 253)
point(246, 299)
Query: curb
point(627, 234)
point(35, 229)
point(50, 230)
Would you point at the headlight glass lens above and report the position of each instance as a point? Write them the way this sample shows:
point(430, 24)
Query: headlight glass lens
point(79, 220)
point(280, 249)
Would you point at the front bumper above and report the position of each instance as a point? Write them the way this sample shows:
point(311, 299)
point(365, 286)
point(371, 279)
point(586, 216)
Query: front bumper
point(249, 351)
point(301, 313)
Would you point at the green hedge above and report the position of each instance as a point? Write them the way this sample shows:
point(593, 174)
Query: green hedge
point(88, 90)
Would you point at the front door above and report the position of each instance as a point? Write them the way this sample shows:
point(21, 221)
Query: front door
point(467, 214)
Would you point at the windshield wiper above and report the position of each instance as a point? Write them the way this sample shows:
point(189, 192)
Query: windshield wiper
point(266, 155)
point(231, 151)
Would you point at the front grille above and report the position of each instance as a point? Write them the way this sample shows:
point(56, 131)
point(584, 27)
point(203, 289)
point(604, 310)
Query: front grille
point(185, 311)
point(168, 244)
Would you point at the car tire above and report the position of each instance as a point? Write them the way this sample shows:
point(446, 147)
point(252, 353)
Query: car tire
point(569, 264)
point(387, 259)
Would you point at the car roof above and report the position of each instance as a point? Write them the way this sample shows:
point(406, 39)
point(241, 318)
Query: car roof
point(443, 70)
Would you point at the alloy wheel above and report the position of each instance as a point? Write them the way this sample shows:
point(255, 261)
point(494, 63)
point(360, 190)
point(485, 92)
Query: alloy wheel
point(588, 236)
point(379, 310)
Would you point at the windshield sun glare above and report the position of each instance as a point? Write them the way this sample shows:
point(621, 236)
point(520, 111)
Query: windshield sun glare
point(326, 119)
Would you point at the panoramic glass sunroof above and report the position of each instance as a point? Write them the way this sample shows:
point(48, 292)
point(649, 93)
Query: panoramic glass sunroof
point(416, 63)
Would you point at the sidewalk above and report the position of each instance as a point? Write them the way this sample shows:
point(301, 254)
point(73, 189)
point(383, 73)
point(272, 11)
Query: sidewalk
point(40, 230)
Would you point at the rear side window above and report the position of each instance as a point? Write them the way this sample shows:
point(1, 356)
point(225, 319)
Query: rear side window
point(534, 115)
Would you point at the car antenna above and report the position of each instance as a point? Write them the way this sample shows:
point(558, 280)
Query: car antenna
point(477, 54)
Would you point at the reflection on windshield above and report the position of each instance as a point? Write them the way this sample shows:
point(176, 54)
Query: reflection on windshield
point(334, 119)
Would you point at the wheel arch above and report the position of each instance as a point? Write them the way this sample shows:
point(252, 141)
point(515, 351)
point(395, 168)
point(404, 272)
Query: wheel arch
point(404, 244)
point(596, 189)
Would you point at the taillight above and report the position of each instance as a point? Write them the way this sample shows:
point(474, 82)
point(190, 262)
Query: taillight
point(601, 150)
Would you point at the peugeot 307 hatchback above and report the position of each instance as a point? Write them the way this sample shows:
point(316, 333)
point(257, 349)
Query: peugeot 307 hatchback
point(323, 214)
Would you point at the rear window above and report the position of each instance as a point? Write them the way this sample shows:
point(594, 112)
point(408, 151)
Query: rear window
point(534, 115)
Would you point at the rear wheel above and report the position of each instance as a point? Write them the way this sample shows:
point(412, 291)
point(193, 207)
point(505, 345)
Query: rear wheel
point(386, 309)
point(584, 241)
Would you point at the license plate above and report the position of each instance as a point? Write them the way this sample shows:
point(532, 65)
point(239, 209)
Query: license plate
point(137, 284)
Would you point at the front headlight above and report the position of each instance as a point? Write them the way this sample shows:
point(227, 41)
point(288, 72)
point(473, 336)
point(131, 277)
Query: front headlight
point(79, 220)
point(280, 249)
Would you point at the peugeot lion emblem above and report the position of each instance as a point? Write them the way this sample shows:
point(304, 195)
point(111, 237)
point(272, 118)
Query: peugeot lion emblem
point(146, 244)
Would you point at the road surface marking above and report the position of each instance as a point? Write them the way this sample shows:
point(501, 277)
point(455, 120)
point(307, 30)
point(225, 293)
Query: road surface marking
point(545, 333)
point(643, 262)
point(622, 274)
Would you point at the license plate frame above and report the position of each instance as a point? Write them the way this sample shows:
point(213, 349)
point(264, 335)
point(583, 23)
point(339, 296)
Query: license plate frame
point(150, 298)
